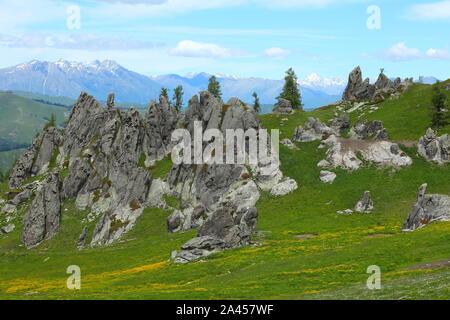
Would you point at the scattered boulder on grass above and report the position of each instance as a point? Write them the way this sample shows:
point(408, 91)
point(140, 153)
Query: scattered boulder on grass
point(283, 106)
point(428, 208)
point(8, 228)
point(346, 212)
point(434, 148)
point(313, 130)
point(327, 176)
point(284, 188)
point(341, 123)
point(365, 203)
point(373, 130)
point(289, 144)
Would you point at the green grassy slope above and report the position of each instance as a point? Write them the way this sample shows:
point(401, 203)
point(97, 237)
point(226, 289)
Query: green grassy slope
point(21, 119)
point(330, 263)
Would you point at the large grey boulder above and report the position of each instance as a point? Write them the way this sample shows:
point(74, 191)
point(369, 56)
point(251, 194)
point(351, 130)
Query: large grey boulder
point(36, 159)
point(43, 217)
point(312, 130)
point(434, 148)
point(365, 203)
point(373, 130)
point(428, 208)
point(225, 229)
point(283, 106)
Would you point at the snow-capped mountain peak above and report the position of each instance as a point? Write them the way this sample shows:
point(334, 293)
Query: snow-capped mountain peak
point(328, 85)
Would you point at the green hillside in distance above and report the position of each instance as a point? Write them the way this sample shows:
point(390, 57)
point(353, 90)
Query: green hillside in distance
point(21, 119)
point(59, 101)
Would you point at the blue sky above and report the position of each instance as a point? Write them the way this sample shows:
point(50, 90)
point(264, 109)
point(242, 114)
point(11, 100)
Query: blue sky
point(260, 38)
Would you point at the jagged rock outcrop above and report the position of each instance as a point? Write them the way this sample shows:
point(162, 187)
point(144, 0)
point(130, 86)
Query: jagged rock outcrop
point(105, 153)
point(106, 148)
point(365, 203)
point(36, 159)
point(283, 106)
point(349, 154)
point(106, 156)
point(357, 89)
point(43, 217)
point(434, 148)
point(312, 130)
point(428, 208)
point(373, 130)
point(206, 190)
point(161, 120)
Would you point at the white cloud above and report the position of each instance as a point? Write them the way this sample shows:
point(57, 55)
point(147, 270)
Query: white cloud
point(401, 52)
point(277, 53)
point(193, 49)
point(430, 11)
point(441, 54)
point(76, 41)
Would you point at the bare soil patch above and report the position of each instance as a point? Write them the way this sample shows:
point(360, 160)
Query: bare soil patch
point(440, 264)
point(306, 236)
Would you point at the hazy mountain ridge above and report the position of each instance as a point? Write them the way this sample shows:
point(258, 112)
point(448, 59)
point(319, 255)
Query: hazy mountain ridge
point(64, 78)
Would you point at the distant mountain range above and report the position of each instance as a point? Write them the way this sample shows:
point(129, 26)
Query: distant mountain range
point(65, 78)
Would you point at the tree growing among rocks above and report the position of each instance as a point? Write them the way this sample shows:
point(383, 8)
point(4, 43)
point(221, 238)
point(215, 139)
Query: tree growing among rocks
point(178, 97)
point(291, 90)
point(439, 114)
point(165, 93)
point(51, 122)
point(256, 105)
point(214, 87)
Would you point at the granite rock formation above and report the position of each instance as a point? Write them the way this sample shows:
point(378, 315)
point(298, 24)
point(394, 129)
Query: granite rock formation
point(428, 208)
